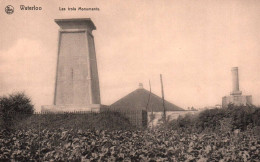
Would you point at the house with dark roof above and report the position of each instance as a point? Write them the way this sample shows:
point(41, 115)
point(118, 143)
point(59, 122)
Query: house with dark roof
point(139, 99)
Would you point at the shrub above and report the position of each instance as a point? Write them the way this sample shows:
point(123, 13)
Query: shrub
point(231, 118)
point(104, 120)
point(184, 123)
point(256, 117)
point(14, 108)
point(163, 122)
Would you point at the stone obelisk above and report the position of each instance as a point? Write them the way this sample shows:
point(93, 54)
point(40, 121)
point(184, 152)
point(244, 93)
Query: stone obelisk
point(77, 83)
point(235, 82)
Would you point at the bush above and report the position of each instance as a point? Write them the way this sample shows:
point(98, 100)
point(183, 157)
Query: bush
point(185, 122)
point(13, 109)
point(256, 118)
point(241, 116)
point(104, 120)
point(231, 118)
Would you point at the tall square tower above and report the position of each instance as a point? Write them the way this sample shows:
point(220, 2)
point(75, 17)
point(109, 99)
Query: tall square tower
point(77, 83)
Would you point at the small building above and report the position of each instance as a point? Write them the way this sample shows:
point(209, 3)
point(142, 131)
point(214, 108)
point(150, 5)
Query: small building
point(139, 99)
point(236, 96)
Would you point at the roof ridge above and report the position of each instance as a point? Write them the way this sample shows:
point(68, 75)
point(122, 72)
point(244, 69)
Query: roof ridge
point(134, 99)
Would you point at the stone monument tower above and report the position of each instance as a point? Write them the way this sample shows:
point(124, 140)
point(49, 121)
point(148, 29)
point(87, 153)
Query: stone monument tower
point(235, 82)
point(236, 96)
point(77, 83)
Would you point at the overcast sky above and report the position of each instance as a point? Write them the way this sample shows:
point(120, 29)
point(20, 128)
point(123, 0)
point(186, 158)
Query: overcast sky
point(193, 44)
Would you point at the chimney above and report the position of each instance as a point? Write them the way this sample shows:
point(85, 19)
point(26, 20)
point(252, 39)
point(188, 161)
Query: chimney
point(140, 86)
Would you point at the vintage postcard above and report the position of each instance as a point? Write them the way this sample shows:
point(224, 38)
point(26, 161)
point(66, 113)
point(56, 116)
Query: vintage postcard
point(159, 59)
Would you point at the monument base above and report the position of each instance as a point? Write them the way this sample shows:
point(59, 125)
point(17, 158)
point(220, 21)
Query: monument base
point(237, 100)
point(70, 108)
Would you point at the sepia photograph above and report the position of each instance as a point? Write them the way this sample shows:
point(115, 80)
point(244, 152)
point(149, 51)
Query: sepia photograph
point(130, 80)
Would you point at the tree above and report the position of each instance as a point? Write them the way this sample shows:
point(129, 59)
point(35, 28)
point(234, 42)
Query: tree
point(14, 107)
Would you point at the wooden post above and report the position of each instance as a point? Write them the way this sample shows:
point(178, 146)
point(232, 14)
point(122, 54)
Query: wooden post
point(164, 111)
point(149, 96)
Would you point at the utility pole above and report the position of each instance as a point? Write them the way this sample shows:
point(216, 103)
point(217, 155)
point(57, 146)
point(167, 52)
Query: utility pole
point(151, 116)
point(149, 96)
point(164, 111)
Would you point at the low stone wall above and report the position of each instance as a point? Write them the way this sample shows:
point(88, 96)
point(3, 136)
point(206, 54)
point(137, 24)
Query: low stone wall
point(169, 114)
